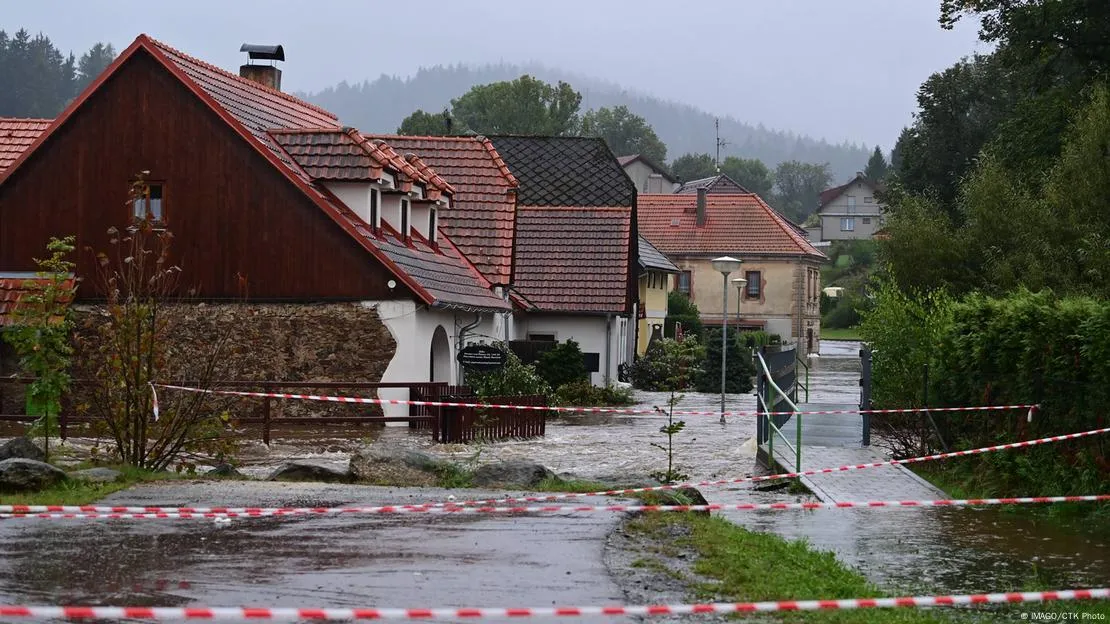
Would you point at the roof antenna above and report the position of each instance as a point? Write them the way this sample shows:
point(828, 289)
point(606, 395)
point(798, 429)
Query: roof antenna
point(720, 144)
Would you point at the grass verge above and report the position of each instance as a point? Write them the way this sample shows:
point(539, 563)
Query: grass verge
point(850, 333)
point(79, 492)
point(746, 566)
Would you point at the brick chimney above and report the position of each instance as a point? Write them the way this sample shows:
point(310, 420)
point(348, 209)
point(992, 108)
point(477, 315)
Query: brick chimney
point(700, 221)
point(266, 75)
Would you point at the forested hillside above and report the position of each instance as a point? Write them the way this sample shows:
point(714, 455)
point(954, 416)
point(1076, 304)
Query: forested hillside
point(381, 105)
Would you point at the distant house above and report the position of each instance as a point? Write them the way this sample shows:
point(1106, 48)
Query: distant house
point(337, 231)
point(647, 175)
point(551, 220)
point(657, 277)
point(849, 211)
point(719, 183)
point(782, 295)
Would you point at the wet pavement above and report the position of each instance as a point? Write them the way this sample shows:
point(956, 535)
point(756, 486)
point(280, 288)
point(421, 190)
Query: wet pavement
point(347, 561)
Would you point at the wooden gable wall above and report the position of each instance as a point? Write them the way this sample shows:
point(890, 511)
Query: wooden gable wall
point(230, 211)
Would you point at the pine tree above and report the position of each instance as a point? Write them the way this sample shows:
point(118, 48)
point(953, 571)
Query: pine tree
point(877, 166)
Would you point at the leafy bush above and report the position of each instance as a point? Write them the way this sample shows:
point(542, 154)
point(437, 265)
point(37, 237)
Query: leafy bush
point(562, 365)
point(756, 339)
point(740, 366)
point(844, 314)
point(583, 393)
point(668, 365)
point(680, 309)
point(513, 379)
point(827, 304)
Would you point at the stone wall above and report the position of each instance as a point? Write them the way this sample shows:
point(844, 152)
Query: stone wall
point(267, 342)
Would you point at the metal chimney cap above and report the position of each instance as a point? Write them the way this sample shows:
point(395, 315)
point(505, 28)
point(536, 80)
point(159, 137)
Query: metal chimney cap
point(267, 52)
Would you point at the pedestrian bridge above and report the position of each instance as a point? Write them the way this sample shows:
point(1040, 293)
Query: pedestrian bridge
point(792, 440)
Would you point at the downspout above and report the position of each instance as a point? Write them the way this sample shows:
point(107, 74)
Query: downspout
point(462, 336)
point(608, 347)
point(508, 316)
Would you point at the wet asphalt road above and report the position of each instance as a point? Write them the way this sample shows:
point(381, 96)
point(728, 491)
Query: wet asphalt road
point(384, 561)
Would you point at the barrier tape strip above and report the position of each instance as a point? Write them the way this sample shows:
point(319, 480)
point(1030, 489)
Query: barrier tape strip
point(143, 513)
point(299, 614)
point(593, 410)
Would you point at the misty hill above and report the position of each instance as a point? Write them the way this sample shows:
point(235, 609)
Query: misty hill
point(380, 105)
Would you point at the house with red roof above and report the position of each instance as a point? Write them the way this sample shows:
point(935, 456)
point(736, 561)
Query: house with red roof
point(551, 222)
point(850, 211)
point(782, 269)
point(255, 185)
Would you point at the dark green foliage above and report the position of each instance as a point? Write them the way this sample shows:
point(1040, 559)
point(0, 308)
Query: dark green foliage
point(421, 123)
point(756, 339)
point(39, 80)
point(584, 393)
point(844, 314)
point(693, 167)
point(798, 186)
point(524, 106)
point(563, 364)
point(827, 304)
point(740, 367)
point(751, 174)
point(513, 379)
point(625, 133)
point(877, 167)
point(668, 365)
point(680, 309)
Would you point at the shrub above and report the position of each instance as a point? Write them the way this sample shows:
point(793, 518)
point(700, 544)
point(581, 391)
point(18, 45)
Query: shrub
point(740, 366)
point(668, 365)
point(513, 379)
point(680, 309)
point(583, 393)
point(562, 365)
point(844, 314)
point(756, 339)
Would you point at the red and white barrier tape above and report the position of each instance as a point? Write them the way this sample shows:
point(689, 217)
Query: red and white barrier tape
point(785, 475)
point(593, 410)
point(288, 614)
point(171, 513)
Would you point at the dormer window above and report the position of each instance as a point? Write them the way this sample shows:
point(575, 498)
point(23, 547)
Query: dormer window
point(406, 213)
point(375, 209)
point(432, 225)
point(148, 201)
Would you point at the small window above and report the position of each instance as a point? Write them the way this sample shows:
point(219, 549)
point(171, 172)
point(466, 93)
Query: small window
point(867, 220)
point(375, 211)
point(684, 279)
point(542, 337)
point(149, 202)
point(405, 214)
point(755, 284)
point(847, 224)
point(868, 200)
point(432, 225)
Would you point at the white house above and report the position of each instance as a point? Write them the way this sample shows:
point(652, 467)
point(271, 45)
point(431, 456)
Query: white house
point(849, 211)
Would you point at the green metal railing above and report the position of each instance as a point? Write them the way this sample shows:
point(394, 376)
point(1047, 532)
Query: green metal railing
point(770, 421)
point(797, 383)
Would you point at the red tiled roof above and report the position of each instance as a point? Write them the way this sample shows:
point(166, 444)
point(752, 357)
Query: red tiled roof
point(254, 111)
point(741, 223)
point(12, 288)
point(573, 259)
point(16, 135)
point(327, 154)
point(481, 221)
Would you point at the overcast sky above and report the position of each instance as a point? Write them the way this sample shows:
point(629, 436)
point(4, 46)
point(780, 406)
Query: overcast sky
point(839, 69)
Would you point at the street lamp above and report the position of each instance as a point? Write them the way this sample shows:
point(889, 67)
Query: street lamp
point(739, 283)
point(725, 265)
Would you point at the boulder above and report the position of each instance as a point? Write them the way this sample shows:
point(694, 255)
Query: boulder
point(21, 448)
point(224, 470)
point(19, 474)
point(308, 471)
point(96, 475)
point(515, 473)
point(385, 465)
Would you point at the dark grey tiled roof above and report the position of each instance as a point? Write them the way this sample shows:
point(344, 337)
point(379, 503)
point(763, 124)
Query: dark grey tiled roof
point(565, 171)
point(445, 275)
point(652, 258)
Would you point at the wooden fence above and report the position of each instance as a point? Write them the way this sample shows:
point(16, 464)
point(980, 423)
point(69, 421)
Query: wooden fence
point(465, 424)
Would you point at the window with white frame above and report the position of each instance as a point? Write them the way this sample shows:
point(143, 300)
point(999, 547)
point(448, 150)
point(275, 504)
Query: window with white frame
point(868, 200)
point(375, 209)
point(406, 213)
point(684, 282)
point(432, 225)
point(754, 288)
point(851, 204)
point(847, 224)
point(149, 201)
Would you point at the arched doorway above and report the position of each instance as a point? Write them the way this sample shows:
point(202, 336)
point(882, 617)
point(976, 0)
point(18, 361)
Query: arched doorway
point(440, 362)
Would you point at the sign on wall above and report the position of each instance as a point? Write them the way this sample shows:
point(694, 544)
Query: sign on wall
point(481, 357)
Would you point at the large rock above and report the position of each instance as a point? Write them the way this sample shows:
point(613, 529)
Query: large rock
point(516, 472)
point(97, 475)
point(391, 466)
point(18, 474)
point(21, 448)
point(308, 471)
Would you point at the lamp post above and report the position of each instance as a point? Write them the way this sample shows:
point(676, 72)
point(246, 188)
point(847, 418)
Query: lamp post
point(739, 283)
point(725, 265)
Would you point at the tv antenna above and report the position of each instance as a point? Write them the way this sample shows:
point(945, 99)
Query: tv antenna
point(720, 144)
